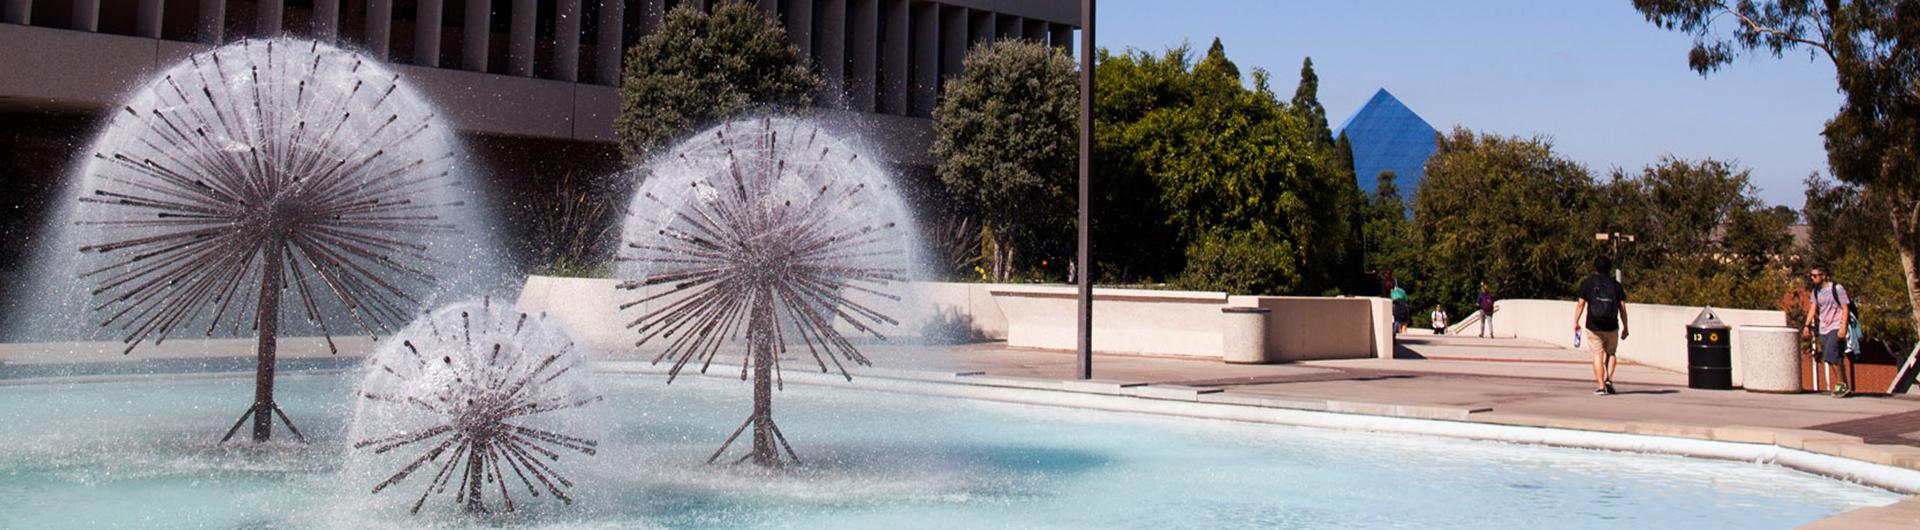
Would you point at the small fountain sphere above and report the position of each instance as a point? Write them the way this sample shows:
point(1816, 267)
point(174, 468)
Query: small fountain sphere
point(473, 396)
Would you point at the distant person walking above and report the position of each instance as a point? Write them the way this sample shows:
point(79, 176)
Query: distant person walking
point(1604, 302)
point(1827, 314)
point(1402, 312)
point(1486, 309)
point(1439, 320)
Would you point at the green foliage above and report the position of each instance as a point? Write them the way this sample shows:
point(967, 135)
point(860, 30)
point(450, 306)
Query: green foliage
point(1391, 243)
point(1242, 262)
point(1006, 142)
point(575, 224)
point(1192, 159)
point(1874, 141)
point(1306, 102)
point(1850, 237)
point(702, 68)
point(1505, 210)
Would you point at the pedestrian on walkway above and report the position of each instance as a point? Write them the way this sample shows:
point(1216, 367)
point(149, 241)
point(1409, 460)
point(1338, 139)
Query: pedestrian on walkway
point(1604, 302)
point(1827, 314)
point(1486, 310)
point(1439, 320)
point(1402, 310)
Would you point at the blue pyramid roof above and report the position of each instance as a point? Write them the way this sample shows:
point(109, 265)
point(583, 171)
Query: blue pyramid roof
point(1386, 135)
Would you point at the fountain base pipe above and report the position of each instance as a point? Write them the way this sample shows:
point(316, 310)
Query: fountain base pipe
point(766, 434)
point(264, 408)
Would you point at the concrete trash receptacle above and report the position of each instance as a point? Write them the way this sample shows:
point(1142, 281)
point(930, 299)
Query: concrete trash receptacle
point(1770, 358)
point(1243, 335)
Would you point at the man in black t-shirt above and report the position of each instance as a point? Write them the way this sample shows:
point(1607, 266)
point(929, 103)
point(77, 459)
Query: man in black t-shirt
point(1604, 302)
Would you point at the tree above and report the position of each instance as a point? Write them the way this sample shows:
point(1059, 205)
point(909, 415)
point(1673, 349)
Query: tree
point(702, 68)
point(1389, 236)
point(1505, 210)
point(1702, 235)
point(1850, 237)
point(1306, 102)
point(1005, 140)
point(1194, 159)
point(1874, 140)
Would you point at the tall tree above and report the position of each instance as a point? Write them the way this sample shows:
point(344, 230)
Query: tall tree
point(1004, 140)
point(1193, 158)
point(1306, 102)
point(1874, 45)
point(702, 68)
point(1505, 210)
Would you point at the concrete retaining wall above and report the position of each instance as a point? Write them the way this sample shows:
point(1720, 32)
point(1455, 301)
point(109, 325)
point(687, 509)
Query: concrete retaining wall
point(1657, 332)
point(1135, 321)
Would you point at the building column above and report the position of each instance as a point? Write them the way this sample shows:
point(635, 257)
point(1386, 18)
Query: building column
point(147, 18)
point(18, 12)
point(769, 9)
point(210, 26)
point(864, 53)
point(1036, 30)
point(1008, 27)
point(981, 28)
point(1060, 36)
point(520, 38)
point(86, 15)
point(896, 45)
point(326, 19)
point(474, 32)
point(954, 37)
point(268, 17)
point(428, 18)
point(606, 45)
point(830, 47)
point(800, 26)
point(380, 28)
point(654, 14)
point(566, 41)
point(926, 58)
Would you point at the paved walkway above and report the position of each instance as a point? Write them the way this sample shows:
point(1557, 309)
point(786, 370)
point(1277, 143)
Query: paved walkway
point(1544, 386)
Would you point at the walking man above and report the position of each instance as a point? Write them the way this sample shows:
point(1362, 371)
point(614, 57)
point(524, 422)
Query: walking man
point(1827, 314)
point(1604, 302)
point(1486, 309)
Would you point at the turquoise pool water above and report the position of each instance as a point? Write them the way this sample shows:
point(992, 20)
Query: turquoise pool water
point(142, 454)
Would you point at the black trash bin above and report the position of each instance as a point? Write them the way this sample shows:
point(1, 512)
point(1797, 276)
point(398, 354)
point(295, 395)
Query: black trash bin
point(1709, 353)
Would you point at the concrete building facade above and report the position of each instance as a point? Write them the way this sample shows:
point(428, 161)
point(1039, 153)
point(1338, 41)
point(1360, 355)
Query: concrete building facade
point(533, 93)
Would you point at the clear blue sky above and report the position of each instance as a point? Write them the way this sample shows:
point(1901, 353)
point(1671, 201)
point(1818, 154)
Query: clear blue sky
point(1609, 88)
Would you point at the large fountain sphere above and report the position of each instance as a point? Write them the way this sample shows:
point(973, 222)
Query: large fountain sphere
point(277, 161)
point(769, 240)
point(778, 209)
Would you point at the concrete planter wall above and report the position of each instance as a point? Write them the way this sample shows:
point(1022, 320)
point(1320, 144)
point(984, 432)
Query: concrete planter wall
point(1658, 332)
point(1173, 323)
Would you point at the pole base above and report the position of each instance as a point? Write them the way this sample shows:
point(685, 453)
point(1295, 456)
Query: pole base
point(263, 410)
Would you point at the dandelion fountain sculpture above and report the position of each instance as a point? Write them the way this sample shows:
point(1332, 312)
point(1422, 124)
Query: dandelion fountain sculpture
point(469, 385)
point(772, 230)
point(255, 170)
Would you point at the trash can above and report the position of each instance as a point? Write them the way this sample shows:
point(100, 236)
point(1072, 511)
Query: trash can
point(1709, 353)
point(1770, 359)
point(1243, 335)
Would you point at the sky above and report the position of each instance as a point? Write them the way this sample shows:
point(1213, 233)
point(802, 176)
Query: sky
point(1610, 89)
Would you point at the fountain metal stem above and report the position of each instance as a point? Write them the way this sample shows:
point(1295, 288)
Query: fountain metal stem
point(267, 347)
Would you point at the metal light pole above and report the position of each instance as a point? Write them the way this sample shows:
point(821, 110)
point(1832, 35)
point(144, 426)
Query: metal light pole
point(1084, 340)
point(1614, 238)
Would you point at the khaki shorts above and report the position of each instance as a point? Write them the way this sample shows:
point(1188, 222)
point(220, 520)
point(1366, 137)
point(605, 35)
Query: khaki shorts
point(1601, 342)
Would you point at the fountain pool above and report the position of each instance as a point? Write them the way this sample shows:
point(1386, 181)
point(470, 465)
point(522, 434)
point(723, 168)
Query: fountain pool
point(142, 453)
